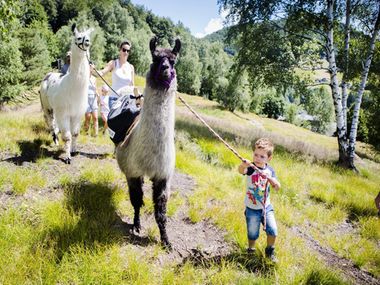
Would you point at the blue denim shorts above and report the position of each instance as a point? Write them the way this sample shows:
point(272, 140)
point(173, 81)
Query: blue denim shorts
point(254, 218)
point(92, 105)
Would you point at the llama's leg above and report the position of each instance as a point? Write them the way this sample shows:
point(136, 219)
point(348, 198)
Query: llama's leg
point(136, 196)
point(50, 121)
point(160, 198)
point(75, 129)
point(66, 137)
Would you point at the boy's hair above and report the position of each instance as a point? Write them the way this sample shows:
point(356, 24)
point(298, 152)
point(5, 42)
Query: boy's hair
point(266, 144)
point(105, 88)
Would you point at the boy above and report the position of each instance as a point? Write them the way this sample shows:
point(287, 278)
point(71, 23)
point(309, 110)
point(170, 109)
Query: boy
point(258, 190)
point(104, 106)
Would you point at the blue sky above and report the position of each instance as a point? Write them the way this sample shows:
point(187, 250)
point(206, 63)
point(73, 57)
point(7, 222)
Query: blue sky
point(200, 16)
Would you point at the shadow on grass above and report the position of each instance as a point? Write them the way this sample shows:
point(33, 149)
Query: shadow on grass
point(90, 220)
point(33, 150)
point(253, 263)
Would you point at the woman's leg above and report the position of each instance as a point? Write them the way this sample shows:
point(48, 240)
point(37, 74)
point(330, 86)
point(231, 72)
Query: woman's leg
point(95, 122)
point(87, 118)
point(104, 118)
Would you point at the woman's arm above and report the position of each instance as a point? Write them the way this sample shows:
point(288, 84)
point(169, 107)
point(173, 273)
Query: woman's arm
point(109, 67)
point(133, 75)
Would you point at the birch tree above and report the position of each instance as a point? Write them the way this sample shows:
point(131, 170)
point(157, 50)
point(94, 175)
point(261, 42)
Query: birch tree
point(325, 23)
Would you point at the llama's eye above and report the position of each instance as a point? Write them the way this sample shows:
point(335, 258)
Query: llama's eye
point(79, 39)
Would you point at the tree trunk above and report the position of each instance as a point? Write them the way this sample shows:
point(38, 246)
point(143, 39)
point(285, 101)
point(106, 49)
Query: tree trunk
point(346, 60)
point(358, 101)
point(340, 125)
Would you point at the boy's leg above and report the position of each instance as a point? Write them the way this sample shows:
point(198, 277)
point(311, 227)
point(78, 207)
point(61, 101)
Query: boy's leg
point(271, 231)
point(253, 219)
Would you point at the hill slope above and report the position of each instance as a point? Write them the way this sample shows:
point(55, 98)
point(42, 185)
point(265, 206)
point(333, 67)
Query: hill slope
point(70, 224)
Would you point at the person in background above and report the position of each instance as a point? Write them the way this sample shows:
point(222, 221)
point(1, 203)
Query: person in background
point(123, 73)
point(65, 67)
point(92, 107)
point(104, 106)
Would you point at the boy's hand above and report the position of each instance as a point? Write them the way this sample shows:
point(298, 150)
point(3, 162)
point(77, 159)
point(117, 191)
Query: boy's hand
point(243, 166)
point(273, 181)
point(246, 163)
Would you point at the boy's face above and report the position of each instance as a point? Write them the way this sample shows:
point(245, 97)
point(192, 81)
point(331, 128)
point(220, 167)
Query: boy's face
point(260, 157)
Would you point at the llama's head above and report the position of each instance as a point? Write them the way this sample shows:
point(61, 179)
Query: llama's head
point(81, 39)
point(162, 70)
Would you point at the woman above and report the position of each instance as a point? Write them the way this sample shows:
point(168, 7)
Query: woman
point(123, 73)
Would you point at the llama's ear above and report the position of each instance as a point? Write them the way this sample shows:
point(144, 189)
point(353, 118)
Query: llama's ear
point(153, 44)
point(74, 28)
point(177, 46)
point(90, 30)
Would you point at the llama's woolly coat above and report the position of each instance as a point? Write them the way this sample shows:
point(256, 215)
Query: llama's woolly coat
point(150, 150)
point(67, 94)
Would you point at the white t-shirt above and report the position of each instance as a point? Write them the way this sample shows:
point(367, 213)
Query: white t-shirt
point(254, 197)
point(104, 108)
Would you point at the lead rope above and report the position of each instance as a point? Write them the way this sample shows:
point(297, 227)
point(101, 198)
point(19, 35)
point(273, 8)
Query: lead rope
point(233, 151)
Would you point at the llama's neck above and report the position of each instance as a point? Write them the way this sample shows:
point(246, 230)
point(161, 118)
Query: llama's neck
point(79, 66)
point(158, 113)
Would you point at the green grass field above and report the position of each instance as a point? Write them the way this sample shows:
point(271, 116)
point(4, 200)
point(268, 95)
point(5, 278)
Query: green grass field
point(70, 238)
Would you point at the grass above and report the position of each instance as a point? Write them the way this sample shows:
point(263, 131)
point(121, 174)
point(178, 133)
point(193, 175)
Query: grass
point(73, 239)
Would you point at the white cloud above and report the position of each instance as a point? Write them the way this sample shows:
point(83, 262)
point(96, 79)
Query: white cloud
point(215, 24)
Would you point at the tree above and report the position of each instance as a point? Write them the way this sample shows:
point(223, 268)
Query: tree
point(309, 21)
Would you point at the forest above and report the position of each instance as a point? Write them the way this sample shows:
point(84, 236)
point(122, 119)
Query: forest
point(279, 67)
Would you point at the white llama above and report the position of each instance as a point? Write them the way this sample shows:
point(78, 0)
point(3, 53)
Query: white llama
point(150, 149)
point(64, 97)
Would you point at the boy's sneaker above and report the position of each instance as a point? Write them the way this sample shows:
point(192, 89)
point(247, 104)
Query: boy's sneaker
point(269, 253)
point(251, 250)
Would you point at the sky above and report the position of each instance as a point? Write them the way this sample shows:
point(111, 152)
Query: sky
point(200, 16)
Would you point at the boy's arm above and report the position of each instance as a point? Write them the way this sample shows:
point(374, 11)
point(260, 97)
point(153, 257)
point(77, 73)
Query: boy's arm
point(243, 166)
point(274, 182)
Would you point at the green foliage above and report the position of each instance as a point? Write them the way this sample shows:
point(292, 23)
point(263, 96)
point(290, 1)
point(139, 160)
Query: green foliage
point(216, 64)
point(35, 55)
point(273, 106)
point(188, 67)
point(373, 115)
point(11, 70)
point(237, 93)
point(291, 111)
point(9, 10)
point(318, 103)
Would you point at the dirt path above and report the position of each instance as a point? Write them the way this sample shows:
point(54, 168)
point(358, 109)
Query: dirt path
point(345, 266)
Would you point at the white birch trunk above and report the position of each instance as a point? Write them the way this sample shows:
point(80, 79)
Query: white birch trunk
point(358, 101)
point(346, 59)
point(341, 133)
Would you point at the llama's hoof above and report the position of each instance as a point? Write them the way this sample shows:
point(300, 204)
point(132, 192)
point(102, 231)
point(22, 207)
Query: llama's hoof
point(55, 139)
point(67, 160)
point(166, 245)
point(136, 228)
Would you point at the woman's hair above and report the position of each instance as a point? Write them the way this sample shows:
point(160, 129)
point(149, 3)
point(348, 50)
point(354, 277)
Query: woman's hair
point(125, 42)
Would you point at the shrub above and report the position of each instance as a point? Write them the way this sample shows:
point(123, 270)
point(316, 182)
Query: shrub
point(273, 106)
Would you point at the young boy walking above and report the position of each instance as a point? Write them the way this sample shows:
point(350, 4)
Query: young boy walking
point(259, 180)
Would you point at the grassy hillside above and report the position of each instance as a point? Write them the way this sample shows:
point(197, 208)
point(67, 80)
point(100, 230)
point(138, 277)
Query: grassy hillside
point(64, 224)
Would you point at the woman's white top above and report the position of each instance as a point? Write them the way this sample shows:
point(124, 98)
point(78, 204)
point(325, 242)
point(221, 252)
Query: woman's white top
point(121, 77)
